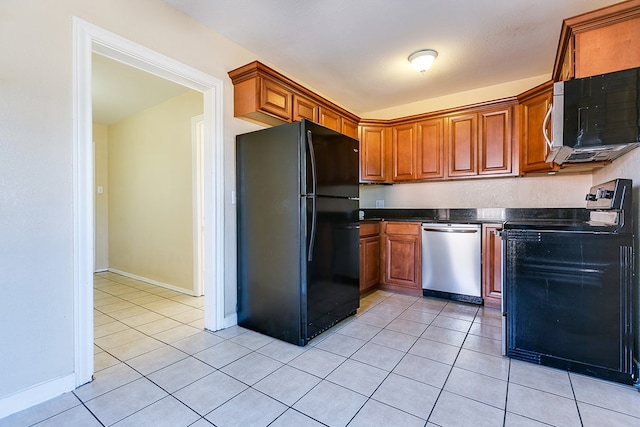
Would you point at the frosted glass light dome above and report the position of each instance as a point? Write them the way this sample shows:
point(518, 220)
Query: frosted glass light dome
point(422, 60)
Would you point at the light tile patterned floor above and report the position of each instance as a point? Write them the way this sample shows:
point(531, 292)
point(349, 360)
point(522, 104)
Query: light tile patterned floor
point(401, 361)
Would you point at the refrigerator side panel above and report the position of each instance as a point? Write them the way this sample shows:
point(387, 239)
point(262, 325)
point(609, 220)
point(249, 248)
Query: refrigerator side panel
point(333, 273)
point(269, 238)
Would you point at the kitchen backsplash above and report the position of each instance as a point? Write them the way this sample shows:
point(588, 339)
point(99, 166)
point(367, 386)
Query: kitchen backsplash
point(557, 191)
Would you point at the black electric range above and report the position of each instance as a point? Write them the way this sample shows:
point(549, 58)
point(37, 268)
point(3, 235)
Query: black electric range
point(569, 288)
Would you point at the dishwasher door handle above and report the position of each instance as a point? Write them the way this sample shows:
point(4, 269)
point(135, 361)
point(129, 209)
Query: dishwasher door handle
point(450, 230)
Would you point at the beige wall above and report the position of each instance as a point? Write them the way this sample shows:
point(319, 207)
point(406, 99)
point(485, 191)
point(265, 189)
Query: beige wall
point(628, 166)
point(37, 164)
point(489, 93)
point(526, 192)
point(101, 206)
point(150, 192)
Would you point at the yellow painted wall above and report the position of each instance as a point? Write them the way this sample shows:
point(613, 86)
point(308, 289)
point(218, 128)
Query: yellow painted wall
point(101, 206)
point(150, 192)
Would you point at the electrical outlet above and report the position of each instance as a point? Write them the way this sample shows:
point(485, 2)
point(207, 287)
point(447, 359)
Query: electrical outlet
point(379, 203)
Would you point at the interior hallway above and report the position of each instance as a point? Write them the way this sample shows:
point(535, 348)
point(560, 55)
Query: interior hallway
point(400, 362)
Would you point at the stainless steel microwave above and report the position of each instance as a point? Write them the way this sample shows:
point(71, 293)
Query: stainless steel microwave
point(594, 118)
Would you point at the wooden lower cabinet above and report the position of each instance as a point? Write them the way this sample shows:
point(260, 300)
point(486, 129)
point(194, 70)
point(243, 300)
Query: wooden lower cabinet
point(491, 265)
point(402, 256)
point(369, 256)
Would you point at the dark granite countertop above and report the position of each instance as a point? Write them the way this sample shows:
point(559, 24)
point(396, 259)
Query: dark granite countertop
point(480, 215)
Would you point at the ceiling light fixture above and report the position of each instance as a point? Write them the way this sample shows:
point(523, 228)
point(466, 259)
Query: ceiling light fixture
point(423, 59)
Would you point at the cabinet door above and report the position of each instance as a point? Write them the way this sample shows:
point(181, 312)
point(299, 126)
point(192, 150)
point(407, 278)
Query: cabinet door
point(403, 149)
point(369, 262)
point(304, 108)
point(430, 149)
point(402, 255)
point(330, 119)
point(491, 265)
point(533, 148)
point(463, 145)
point(373, 154)
point(608, 48)
point(350, 128)
point(276, 99)
point(495, 145)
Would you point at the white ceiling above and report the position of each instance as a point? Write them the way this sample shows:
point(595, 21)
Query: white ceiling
point(119, 90)
point(355, 51)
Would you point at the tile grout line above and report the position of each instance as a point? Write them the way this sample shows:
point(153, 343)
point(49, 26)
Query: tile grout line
point(394, 318)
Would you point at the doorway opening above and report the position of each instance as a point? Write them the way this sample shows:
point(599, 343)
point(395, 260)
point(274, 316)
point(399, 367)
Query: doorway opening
point(148, 177)
point(90, 39)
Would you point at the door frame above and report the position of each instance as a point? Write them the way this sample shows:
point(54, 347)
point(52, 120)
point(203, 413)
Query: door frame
point(90, 39)
point(197, 195)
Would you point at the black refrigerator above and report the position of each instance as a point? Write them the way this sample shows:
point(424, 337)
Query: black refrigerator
point(298, 231)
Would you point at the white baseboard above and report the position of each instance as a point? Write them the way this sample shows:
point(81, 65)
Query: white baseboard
point(36, 395)
point(153, 282)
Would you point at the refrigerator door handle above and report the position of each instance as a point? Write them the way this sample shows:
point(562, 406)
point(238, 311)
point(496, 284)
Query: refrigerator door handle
point(312, 157)
point(314, 185)
point(312, 238)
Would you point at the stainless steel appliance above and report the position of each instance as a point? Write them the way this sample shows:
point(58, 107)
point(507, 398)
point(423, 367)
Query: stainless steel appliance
point(451, 261)
point(569, 288)
point(594, 118)
point(298, 258)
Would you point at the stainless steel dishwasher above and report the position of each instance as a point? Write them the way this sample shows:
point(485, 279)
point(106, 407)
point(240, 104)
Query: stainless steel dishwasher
point(451, 261)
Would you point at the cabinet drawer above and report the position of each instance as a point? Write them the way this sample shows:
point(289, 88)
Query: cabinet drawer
point(405, 228)
point(368, 229)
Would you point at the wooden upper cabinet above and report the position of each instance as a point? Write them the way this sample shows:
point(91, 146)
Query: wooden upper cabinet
point(373, 154)
point(330, 119)
point(403, 152)
point(350, 128)
point(567, 68)
point(276, 99)
point(304, 108)
point(534, 105)
point(495, 142)
point(262, 94)
point(430, 155)
point(463, 144)
point(600, 41)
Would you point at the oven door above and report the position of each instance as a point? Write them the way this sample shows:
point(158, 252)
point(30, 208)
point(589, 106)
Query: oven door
point(568, 301)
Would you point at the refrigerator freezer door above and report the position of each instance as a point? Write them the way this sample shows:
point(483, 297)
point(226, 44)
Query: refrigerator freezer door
point(336, 161)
